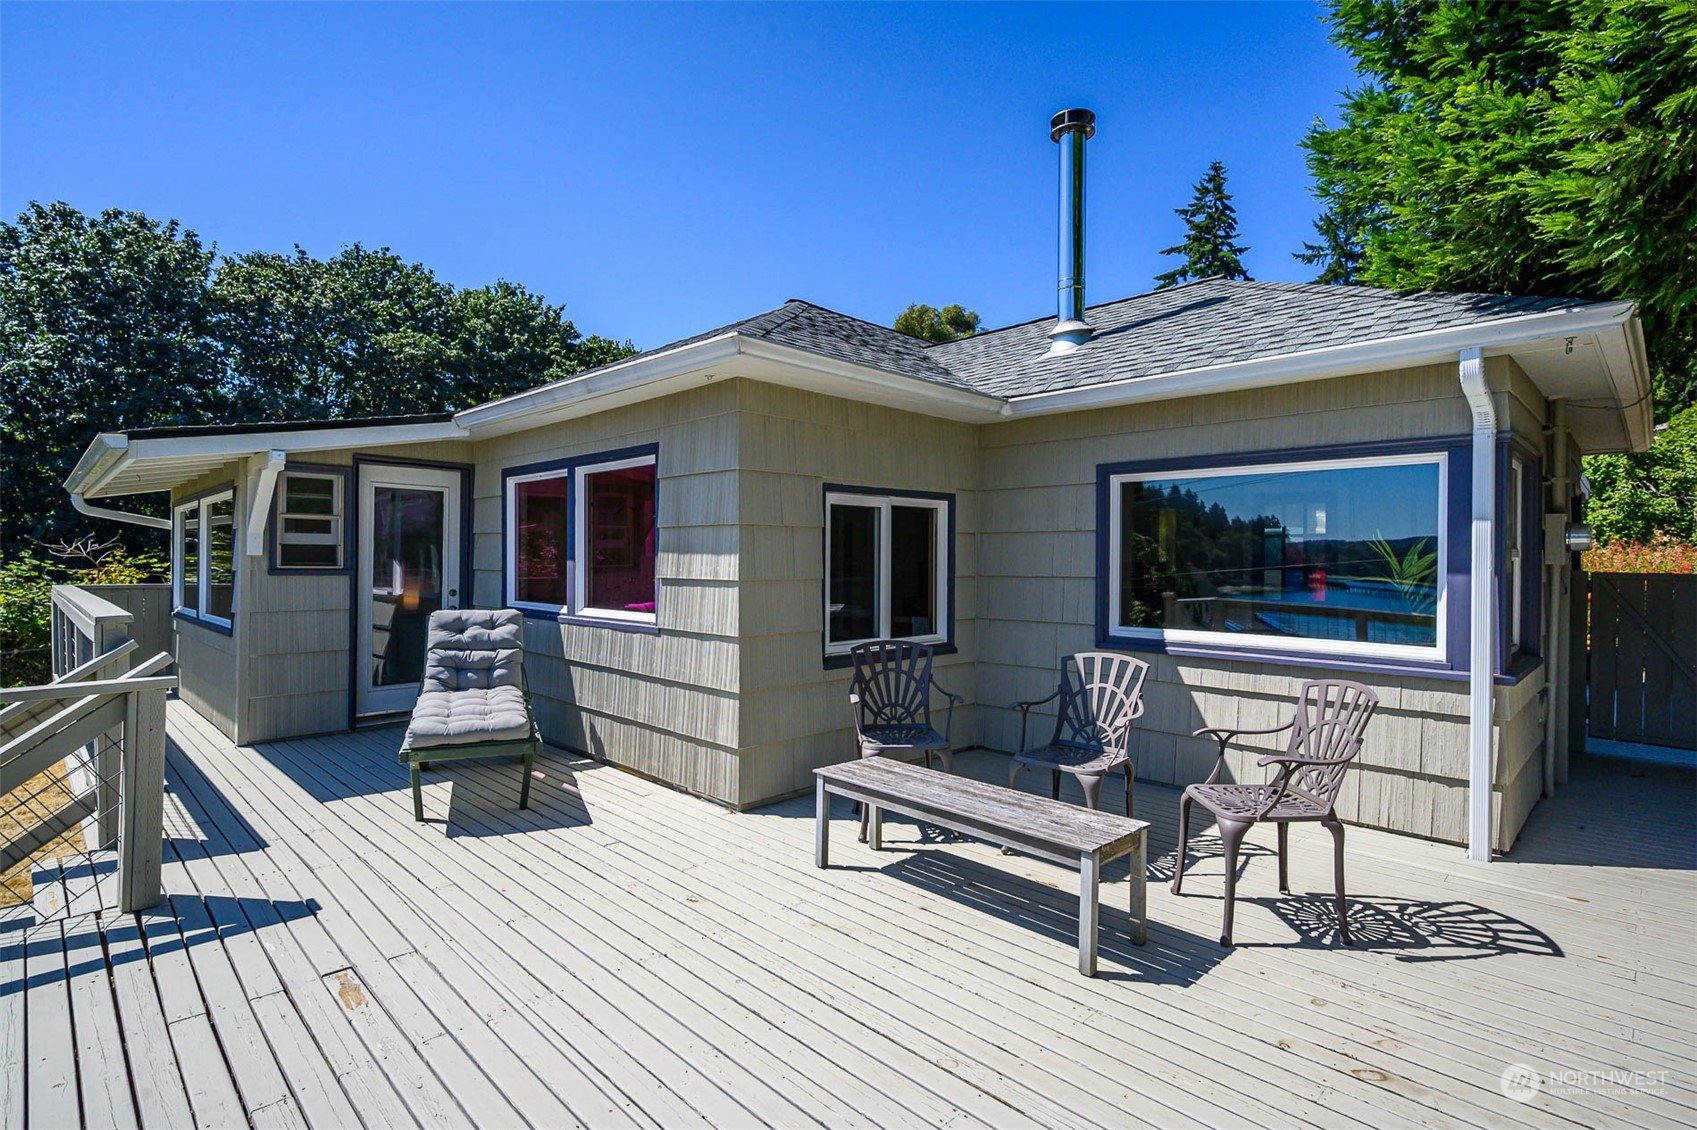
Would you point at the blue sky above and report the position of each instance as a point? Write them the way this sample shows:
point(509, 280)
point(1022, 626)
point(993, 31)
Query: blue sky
point(665, 169)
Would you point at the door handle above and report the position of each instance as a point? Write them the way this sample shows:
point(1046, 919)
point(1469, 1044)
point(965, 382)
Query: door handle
point(453, 595)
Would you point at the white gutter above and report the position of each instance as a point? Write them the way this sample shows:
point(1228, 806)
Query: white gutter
point(609, 379)
point(1428, 347)
point(110, 454)
point(1481, 605)
point(147, 520)
point(259, 495)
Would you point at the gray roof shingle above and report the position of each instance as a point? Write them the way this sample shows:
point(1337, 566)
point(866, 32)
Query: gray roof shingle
point(1201, 324)
point(802, 325)
point(1214, 322)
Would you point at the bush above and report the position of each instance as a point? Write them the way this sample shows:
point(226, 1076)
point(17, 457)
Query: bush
point(26, 598)
point(1663, 555)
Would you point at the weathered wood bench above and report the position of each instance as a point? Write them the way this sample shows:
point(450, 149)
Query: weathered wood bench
point(1048, 829)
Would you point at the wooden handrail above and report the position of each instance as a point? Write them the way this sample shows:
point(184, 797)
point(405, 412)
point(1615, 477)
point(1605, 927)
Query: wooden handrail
point(86, 610)
point(95, 687)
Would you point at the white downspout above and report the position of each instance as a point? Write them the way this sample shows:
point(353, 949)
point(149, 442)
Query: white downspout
point(1481, 606)
point(1555, 594)
point(92, 511)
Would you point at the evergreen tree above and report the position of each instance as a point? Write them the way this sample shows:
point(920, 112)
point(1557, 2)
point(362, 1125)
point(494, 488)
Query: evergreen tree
point(1542, 148)
point(1210, 246)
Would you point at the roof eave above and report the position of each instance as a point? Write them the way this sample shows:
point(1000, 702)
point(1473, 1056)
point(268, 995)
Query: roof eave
point(727, 355)
point(110, 454)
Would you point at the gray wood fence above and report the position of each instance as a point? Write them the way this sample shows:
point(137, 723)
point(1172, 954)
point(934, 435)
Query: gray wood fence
point(1643, 677)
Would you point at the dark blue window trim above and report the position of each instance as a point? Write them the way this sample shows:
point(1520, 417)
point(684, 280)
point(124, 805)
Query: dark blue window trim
point(1531, 539)
point(947, 647)
point(177, 612)
point(568, 468)
point(1456, 451)
point(273, 528)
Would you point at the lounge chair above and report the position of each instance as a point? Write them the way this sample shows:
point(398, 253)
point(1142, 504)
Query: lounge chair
point(474, 701)
point(1325, 735)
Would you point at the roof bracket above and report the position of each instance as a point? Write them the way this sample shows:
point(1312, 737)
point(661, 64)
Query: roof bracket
point(260, 490)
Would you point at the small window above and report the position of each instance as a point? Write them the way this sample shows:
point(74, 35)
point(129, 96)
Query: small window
point(203, 567)
point(886, 569)
point(616, 533)
point(581, 539)
point(1343, 556)
point(1522, 547)
point(309, 521)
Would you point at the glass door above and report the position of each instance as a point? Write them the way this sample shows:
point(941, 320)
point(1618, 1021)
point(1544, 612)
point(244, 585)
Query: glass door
point(409, 566)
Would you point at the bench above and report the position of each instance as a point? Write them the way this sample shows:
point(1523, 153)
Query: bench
point(1048, 829)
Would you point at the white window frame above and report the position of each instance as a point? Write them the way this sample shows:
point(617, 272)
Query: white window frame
point(203, 578)
point(580, 542)
point(884, 503)
point(1437, 652)
point(509, 551)
point(336, 536)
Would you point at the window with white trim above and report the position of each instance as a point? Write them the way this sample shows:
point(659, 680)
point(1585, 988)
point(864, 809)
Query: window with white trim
point(1342, 556)
point(887, 564)
point(582, 540)
point(309, 520)
point(203, 558)
point(616, 530)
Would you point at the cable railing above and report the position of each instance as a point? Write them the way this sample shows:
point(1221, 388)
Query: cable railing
point(82, 759)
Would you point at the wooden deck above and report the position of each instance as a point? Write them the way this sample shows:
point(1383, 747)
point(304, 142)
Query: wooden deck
point(624, 955)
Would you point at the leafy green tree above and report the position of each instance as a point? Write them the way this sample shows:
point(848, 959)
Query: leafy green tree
point(105, 323)
point(120, 322)
point(1635, 498)
point(1210, 246)
point(1532, 148)
point(367, 334)
point(951, 323)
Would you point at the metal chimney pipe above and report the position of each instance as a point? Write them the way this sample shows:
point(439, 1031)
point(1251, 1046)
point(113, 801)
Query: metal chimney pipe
point(1070, 129)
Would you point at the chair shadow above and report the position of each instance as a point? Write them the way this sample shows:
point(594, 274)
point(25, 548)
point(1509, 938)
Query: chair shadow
point(1412, 930)
point(1170, 957)
point(484, 798)
point(483, 793)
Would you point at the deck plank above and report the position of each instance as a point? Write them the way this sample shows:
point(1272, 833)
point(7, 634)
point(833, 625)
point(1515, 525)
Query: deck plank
point(103, 1077)
point(625, 955)
point(161, 1098)
point(12, 1054)
point(51, 1087)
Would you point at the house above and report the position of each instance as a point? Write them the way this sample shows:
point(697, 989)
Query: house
point(1249, 484)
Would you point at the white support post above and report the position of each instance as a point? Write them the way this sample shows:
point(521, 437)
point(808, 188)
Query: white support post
point(1481, 606)
point(260, 491)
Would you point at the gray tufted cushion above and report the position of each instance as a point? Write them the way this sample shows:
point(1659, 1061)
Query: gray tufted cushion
point(473, 680)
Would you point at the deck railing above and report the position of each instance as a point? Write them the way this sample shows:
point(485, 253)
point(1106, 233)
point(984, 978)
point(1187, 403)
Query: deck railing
point(88, 749)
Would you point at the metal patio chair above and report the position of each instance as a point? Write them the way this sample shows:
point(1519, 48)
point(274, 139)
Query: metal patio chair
point(1325, 736)
point(1101, 695)
point(890, 698)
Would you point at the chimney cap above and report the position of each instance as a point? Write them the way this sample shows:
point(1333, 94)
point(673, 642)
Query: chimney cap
point(1077, 118)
